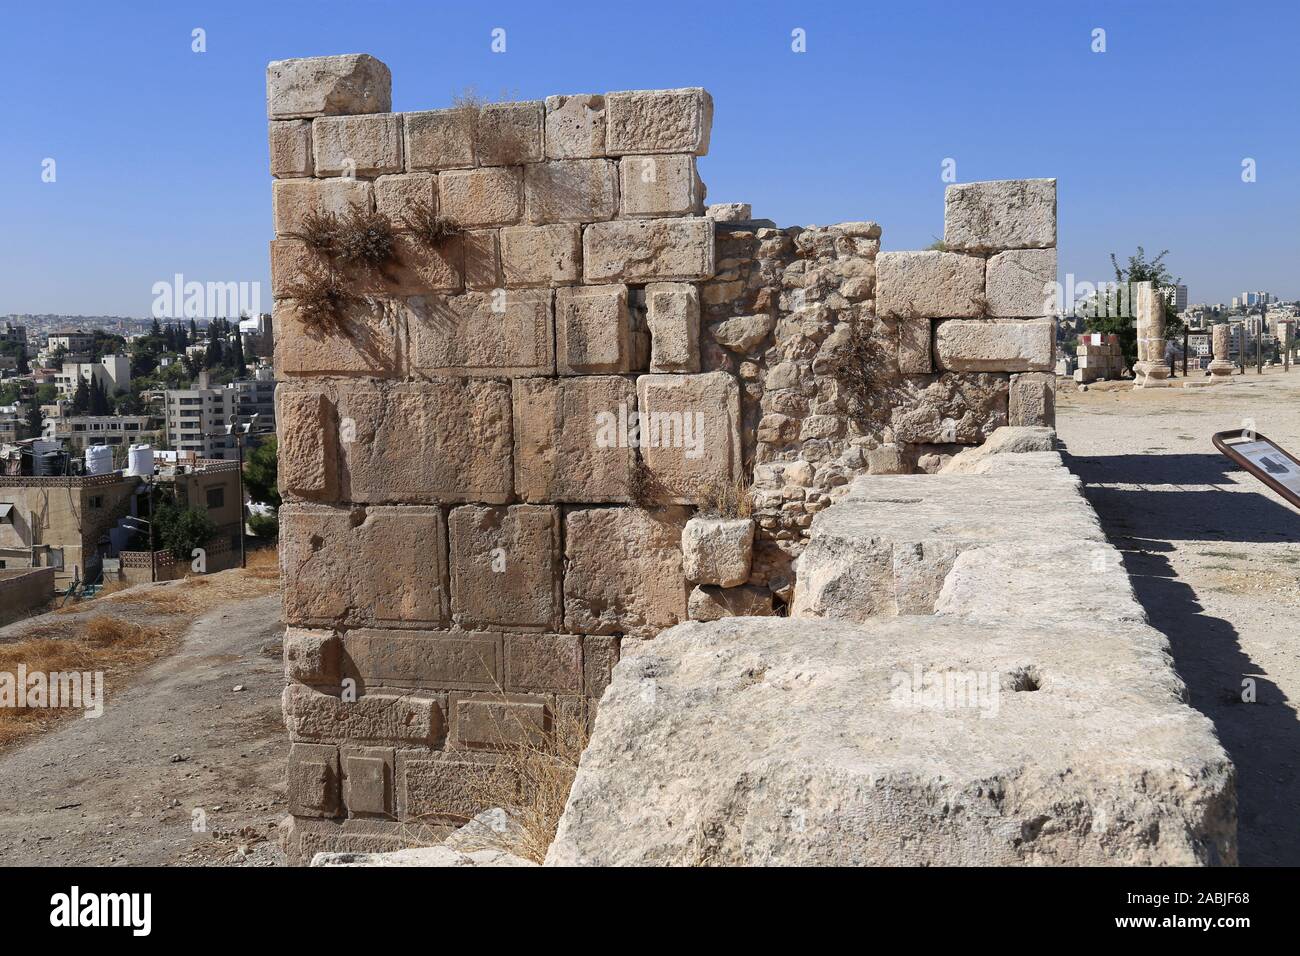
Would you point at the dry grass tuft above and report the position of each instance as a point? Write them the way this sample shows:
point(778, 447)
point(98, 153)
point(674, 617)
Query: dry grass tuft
point(365, 239)
point(323, 300)
point(726, 499)
point(427, 226)
point(264, 564)
point(321, 232)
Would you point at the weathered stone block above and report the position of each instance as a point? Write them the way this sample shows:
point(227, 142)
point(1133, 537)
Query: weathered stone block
point(359, 566)
point(931, 285)
point(505, 567)
point(955, 407)
point(996, 345)
point(497, 334)
point(328, 86)
point(718, 550)
point(673, 315)
point(417, 269)
point(444, 439)
point(508, 134)
point(292, 260)
point(290, 142)
point(593, 330)
point(366, 344)
point(357, 145)
point(1003, 214)
point(571, 190)
point(308, 445)
point(572, 440)
point(371, 718)
point(689, 434)
point(660, 186)
point(624, 570)
point(709, 603)
point(313, 784)
point(482, 260)
point(368, 780)
point(914, 345)
point(482, 197)
point(647, 250)
point(295, 199)
point(451, 787)
point(599, 655)
point(575, 127)
point(1032, 399)
point(493, 721)
point(1021, 283)
point(544, 663)
point(390, 661)
point(311, 657)
point(439, 139)
point(658, 121)
point(397, 195)
point(541, 255)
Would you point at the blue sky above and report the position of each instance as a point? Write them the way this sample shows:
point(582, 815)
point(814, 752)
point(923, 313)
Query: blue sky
point(162, 160)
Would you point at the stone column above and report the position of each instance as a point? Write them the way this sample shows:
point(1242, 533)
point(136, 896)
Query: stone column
point(1221, 367)
point(1149, 314)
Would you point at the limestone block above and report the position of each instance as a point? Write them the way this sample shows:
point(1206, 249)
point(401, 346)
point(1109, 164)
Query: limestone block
point(718, 550)
point(709, 603)
point(745, 334)
point(396, 195)
point(544, 663)
point(308, 444)
point(996, 345)
point(482, 260)
point(367, 343)
point(313, 780)
point(290, 142)
point(508, 134)
point(294, 199)
point(599, 655)
point(328, 86)
point(505, 567)
point(311, 657)
point(363, 566)
point(960, 407)
point(1032, 399)
point(447, 786)
point(368, 780)
point(1003, 214)
point(482, 197)
point(1021, 283)
point(1008, 440)
point(624, 570)
point(482, 334)
point(391, 661)
point(730, 211)
point(572, 438)
point(492, 721)
point(371, 718)
point(914, 345)
point(575, 127)
point(541, 255)
point(593, 330)
point(658, 121)
point(660, 186)
point(439, 139)
point(571, 190)
point(933, 285)
point(673, 315)
point(648, 250)
point(292, 260)
point(417, 269)
point(357, 145)
point(689, 434)
point(440, 440)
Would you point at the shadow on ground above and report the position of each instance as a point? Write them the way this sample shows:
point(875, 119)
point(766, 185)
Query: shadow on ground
point(1262, 738)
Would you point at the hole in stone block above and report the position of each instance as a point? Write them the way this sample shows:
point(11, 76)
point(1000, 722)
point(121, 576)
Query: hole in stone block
point(1023, 679)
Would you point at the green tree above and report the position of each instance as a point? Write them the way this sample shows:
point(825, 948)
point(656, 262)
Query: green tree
point(35, 421)
point(260, 473)
point(237, 356)
point(81, 398)
point(180, 530)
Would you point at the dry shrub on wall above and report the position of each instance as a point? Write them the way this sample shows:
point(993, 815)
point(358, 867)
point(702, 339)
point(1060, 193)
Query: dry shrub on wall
point(855, 359)
point(726, 498)
point(423, 221)
point(496, 142)
point(322, 300)
point(365, 239)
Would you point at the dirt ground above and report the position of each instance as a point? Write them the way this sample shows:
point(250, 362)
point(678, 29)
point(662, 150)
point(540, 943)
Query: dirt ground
point(1215, 559)
point(200, 730)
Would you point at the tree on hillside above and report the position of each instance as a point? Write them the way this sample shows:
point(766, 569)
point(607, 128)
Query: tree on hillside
point(81, 398)
point(35, 421)
point(237, 356)
point(260, 473)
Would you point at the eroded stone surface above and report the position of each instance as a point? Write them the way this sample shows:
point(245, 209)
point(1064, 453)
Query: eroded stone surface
point(328, 86)
point(1002, 214)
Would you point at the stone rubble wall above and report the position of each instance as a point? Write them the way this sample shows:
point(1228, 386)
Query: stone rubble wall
point(539, 438)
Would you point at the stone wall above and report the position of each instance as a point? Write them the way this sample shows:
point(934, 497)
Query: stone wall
point(24, 591)
point(517, 439)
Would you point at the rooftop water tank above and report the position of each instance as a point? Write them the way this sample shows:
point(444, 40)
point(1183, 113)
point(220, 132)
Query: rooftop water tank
point(99, 459)
point(139, 461)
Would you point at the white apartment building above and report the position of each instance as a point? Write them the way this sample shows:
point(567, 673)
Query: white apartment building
point(197, 420)
point(111, 371)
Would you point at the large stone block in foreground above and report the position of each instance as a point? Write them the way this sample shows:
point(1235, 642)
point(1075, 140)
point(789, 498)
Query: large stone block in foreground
point(996, 345)
point(648, 250)
point(658, 121)
point(932, 285)
point(689, 434)
point(765, 741)
point(328, 86)
point(1002, 214)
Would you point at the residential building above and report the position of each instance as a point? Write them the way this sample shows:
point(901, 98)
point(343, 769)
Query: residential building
point(73, 341)
point(1176, 295)
point(16, 334)
point(113, 372)
point(82, 430)
point(197, 419)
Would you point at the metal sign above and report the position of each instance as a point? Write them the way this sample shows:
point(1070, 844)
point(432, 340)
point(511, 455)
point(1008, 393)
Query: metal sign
point(1264, 459)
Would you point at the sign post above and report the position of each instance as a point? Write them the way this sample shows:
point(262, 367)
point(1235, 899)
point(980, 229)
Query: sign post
point(1264, 459)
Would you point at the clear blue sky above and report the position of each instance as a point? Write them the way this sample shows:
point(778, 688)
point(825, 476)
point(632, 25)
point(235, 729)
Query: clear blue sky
point(162, 160)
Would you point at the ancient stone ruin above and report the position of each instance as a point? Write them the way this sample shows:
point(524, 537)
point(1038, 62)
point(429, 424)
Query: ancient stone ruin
point(540, 403)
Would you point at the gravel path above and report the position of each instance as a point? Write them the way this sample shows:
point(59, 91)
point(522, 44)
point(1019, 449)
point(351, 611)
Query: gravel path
point(121, 789)
point(1215, 560)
